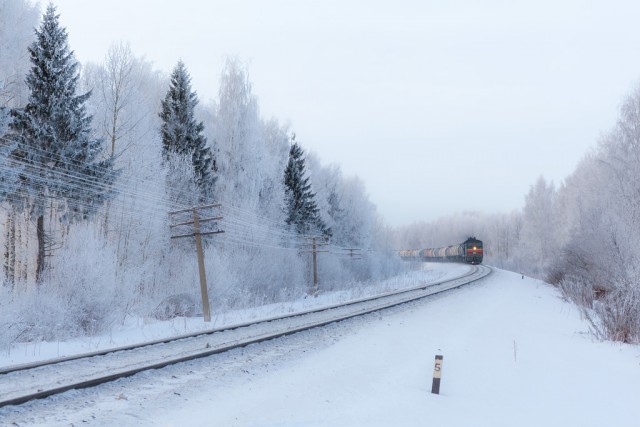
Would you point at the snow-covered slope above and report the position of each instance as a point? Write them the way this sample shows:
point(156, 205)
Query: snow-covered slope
point(515, 354)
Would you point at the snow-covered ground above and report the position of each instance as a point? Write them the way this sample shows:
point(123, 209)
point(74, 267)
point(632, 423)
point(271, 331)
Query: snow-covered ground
point(136, 330)
point(515, 354)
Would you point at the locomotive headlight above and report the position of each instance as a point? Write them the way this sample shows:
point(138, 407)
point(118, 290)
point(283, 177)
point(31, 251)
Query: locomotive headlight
point(474, 248)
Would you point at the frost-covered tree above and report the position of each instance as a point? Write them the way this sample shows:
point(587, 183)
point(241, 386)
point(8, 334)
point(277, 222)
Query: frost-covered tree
point(116, 91)
point(9, 168)
point(343, 205)
point(277, 143)
point(17, 20)
point(9, 182)
point(182, 133)
point(501, 237)
point(53, 136)
point(239, 139)
point(329, 185)
point(539, 233)
point(301, 208)
point(125, 102)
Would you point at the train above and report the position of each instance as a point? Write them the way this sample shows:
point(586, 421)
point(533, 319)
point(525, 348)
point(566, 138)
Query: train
point(470, 251)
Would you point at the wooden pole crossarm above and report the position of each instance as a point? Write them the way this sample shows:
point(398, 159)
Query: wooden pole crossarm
point(205, 233)
point(182, 223)
point(215, 205)
point(183, 235)
point(215, 218)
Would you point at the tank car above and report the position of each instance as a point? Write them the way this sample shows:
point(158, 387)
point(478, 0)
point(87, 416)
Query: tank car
point(409, 254)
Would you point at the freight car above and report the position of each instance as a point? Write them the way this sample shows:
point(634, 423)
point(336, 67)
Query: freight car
point(469, 251)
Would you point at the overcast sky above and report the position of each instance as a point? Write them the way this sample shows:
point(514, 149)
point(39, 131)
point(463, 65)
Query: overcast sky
point(438, 106)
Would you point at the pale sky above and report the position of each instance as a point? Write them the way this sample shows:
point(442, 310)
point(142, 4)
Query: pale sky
point(438, 106)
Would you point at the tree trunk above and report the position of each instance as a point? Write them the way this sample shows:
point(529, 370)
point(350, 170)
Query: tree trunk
point(40, 234)
point(22, 230)
point(10, 249)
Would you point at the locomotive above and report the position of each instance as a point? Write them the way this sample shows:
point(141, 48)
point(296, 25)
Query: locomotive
point(469, 251)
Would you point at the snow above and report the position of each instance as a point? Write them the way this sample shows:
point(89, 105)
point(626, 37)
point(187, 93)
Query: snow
point(514, 353)
point(136, 330)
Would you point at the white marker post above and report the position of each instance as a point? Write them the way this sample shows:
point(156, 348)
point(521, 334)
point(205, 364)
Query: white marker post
point(437, 374)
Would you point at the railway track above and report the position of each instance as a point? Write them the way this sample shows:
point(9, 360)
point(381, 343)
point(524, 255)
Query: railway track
point(20, 384)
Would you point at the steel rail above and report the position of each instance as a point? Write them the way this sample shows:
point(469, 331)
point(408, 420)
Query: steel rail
point(47, 362)
point(350, 309)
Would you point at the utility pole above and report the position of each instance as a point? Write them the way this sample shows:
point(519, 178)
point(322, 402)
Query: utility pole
point(315, 267)
point(198, 233)
point(315, 242)
point(354, 253)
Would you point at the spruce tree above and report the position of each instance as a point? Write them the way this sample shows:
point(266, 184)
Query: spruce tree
point(301, 208)
point(182, 134)
point(53, 137)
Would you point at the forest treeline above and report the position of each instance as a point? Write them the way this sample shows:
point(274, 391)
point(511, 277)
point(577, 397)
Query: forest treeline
point(580, 235)
point(94, 157)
